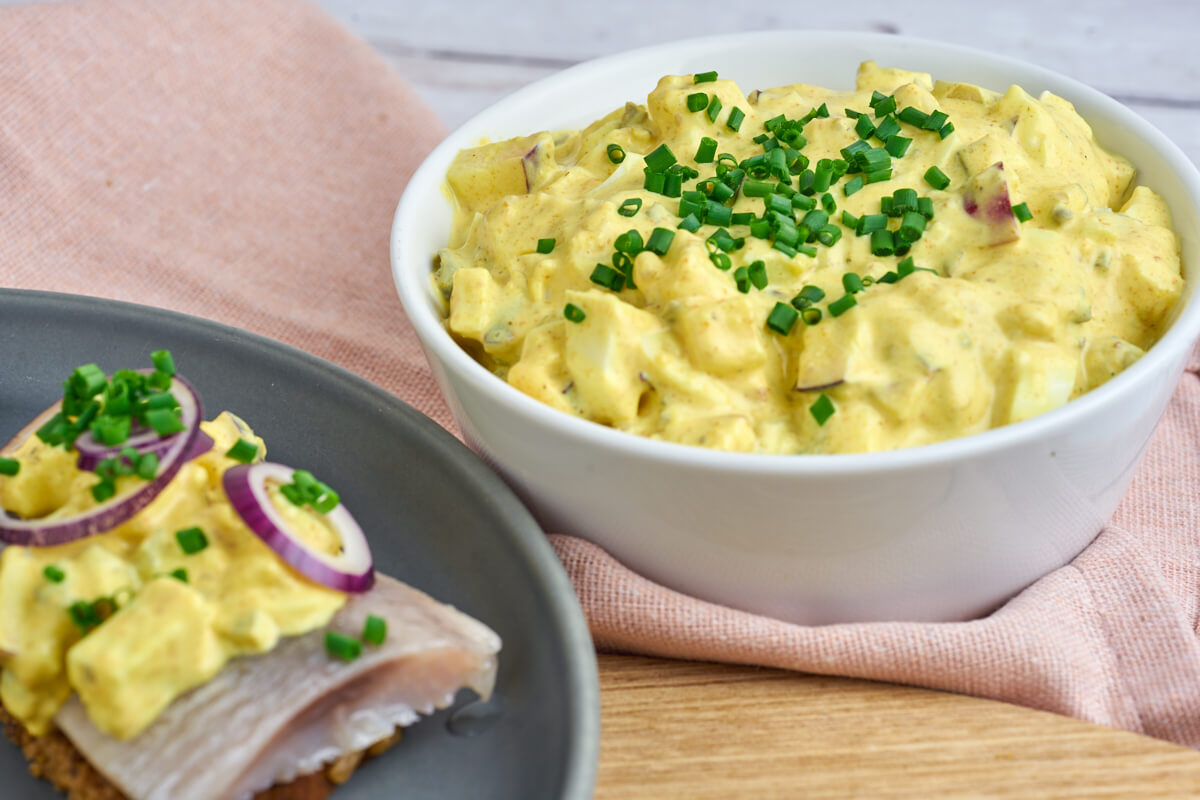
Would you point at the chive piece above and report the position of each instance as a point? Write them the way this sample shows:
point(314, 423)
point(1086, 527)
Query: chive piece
point(842, 305)
point(870, 223)
point(735, 119)
point(180, 575)
point(945, 130)
point(721, 192)
point(936, 178)
point(103, 490)
point(721, 261)
point(147, 466)
point(888, 277)
point(828, 203)
point(163, 362)
point(574, 313)
point(849, 220)
point(87, 381)
point(802, 202)
point(887, 128)
point(882, 243)
point(811, 316)
point(852, 283)
point(707, 151)
point(629, 242)
point(630, 206)
point(822, 175)
point(374, 630)
point(885, 106)
point(545, 245)
point(1021, 212)
point(697, 101)
point(911, 227)
point(913, 116)
point(690, 223)
point(757, 272)
point(935, 121)
point(717, 214)
point(905, 267)
point(876, 96)
point(742, 218)
point(660, 240)
point(815, 219)
point(616, 153)
point(822, 409)
point(897, 145)
point(741, 276)
point(339, 645)
point(655, 181)
point(864, 127)
point(829, 235)
point(760, 229)
point(9, 466)
point(879, 175)
point(925, 207)
point(714, 108)
point(787, 249)
point(813, 294)
point(660, 158)
point(782, 318)
point(853, 185)
point(242, 451)
point(904, 200)
point(606, 276)
point(753, 188)
point(851, 151)
point(54, 574)
point(705, 77)
point(886, 206)
point(191, 540)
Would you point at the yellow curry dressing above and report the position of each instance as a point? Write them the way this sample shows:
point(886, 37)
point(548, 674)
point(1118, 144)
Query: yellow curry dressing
point(1014, 319)
point(167, 636)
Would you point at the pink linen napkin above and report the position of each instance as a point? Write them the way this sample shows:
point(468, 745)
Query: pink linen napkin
point(241, 161)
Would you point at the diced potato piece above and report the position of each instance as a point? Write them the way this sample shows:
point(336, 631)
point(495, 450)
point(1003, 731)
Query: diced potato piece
point(1146, 206)
point(473, 302)
point(888, 79)
point(482, 175)
point(1040, 377)
point(986, 199)
point(1105, 358)
point(541, 372)
point(722, 337)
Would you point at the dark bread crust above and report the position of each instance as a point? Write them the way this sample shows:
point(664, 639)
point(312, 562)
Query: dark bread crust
point(53, 758)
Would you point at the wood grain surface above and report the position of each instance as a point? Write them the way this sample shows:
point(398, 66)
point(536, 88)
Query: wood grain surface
point(692, 730)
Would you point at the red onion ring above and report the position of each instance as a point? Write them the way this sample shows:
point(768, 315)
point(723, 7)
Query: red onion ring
point(112, 512)
point(351, 571)
point(142, 438)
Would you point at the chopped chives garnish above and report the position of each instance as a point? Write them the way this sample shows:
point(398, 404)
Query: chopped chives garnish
point(888, 277)
point(707, 151)
point(774, 122)
point(339, 645)
point(616, 153)
point(823, 408)
point(897, 145)
point(758, 274)
point(946, 130)
point(842, 305)
point(852, 283)
point(714, 108)
point(630, 206)
point(607, 277)
point(905, 267)
point(760, 229)
point(705, 77)
point(870, 223)
point(884, 107)
point(163, 362)
point(1021, 212)
point(849, 220)
point(721, 239)
point(180, 575)
point(660, 158)
point(147, 466)
point(374, 630)
point(876, 96)
point(734, 121)
point(864, 127)
point(721, 192)
point(925, 207)
point(655, 181)
point(741, 276)
point(822, 175)
point(886, 206)
point(661, 238)
point(911, 227)
point(114, 430)
point(787, 249)
point(904, 200)
point(853, 185)
point(882, 242)
point(879, 175)
point(697, 101)
point(936, 178)
point(88, 380)
point(935, 121)
point(103, 490)
point(54, 574)
point(828, 203)
point(806, 250)
point(721, 261)
point(717, 214)
point(191, 540)
point(742, 218)
point(782, 318)
point(829, 235)
point(545, 245)
point(802, 202)
point(887, 128)
point(690, 223)
point(850, 151)
point(811, 316)
point(913, 116)
point(629, 242)
point(9, 466)
point(243, 451)
point(574, 313)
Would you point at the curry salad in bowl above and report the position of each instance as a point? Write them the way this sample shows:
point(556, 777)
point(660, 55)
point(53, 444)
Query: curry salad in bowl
point(805, 270)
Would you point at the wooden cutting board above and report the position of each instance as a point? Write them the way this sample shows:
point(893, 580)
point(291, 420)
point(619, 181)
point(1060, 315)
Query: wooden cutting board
point(678, 729)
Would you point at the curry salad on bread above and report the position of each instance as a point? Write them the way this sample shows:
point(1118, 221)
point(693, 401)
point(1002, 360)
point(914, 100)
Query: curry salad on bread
point(806, 270)
point(162, 583)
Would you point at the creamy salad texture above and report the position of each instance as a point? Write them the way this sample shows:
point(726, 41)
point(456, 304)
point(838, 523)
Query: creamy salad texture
point(805, 270)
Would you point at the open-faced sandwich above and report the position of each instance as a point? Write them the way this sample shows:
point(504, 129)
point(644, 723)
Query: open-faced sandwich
point(182, 620)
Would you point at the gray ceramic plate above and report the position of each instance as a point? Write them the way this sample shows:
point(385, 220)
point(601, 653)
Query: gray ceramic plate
point(435, 515)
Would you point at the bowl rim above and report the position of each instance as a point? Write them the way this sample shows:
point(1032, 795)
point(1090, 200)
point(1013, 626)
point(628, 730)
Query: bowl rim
point(1177, 341)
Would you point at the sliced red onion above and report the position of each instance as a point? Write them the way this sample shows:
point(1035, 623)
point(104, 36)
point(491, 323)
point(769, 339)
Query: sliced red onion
point(112, 512)
point(350, 571)
point(141, 438)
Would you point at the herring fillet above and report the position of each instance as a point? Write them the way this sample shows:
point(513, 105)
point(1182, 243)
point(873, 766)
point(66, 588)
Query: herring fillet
point(268, 719)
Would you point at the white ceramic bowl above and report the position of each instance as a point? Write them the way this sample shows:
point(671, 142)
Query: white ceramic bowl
point(941, 532)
